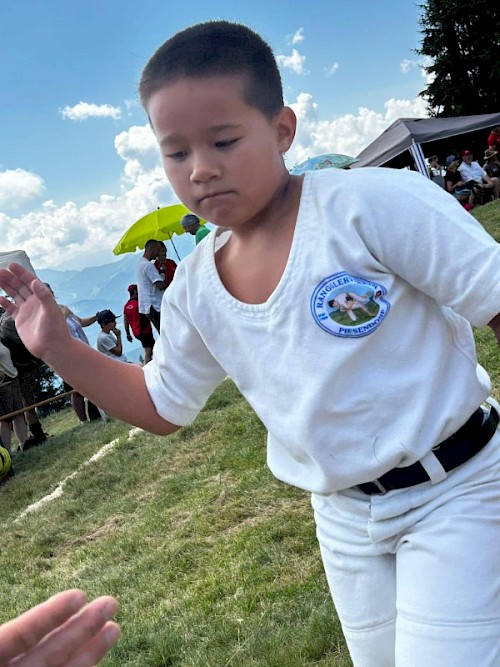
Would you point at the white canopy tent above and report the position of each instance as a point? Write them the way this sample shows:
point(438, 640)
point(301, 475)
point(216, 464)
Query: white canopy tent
point(18, 256)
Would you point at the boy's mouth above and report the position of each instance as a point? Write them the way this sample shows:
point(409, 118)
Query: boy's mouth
point(214, 195)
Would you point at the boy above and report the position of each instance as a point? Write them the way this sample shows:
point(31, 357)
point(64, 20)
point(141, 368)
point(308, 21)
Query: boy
point(407, 515)
point(109, 339)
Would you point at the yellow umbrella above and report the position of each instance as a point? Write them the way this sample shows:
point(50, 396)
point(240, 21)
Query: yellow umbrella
point(161, 225)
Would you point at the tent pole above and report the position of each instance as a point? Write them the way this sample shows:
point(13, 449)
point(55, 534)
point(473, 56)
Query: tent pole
point(418, 157)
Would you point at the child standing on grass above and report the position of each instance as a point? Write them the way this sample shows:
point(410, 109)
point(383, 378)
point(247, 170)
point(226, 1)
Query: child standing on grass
point(379, 416)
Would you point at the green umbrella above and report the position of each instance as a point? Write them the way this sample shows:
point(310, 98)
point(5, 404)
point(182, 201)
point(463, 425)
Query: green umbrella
point(161, 225)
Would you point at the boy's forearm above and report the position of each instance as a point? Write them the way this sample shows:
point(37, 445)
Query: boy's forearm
point(118, 388)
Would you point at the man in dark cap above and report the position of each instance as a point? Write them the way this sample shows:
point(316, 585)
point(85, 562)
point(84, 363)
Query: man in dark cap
point(109, 340)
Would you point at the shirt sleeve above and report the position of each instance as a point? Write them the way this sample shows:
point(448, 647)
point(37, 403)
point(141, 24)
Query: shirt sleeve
point(183, 372)
point(434, 244)
point(152, 273)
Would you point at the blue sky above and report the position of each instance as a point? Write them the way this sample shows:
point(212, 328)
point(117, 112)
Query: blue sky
point(78, 164)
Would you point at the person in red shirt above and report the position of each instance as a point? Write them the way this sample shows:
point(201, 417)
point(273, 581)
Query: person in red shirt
point(138, 323)
point(166, 267)
point(494, 139)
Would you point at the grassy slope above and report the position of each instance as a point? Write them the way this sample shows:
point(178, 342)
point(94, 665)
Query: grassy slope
point(214, 562)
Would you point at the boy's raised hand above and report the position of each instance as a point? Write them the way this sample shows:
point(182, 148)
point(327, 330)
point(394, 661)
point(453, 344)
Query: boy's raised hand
point(39, 320)
point(63, 631)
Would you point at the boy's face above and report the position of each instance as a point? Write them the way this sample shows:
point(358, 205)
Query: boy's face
point(109, 326)
point(222, 157)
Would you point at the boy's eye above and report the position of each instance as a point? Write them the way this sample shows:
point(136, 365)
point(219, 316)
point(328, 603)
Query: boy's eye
point(177, 155)
point(225, 143)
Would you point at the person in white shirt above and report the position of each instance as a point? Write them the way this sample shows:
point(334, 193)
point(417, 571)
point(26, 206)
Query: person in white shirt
point(471, 170)
point(150, 283)
point(109, 340)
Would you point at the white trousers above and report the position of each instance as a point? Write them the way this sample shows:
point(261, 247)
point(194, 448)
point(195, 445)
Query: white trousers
point(415, 574)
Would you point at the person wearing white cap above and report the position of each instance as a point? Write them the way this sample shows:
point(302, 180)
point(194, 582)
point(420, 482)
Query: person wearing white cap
point(471, 170)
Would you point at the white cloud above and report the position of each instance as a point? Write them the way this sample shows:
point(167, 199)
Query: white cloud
point(75, 236)
point(348, 134)
point(17, 186)
point(330, 71)
point(296, 38)
point(294, 62)
point(85, 110)
point(407, 65)
point(79, 236)
point(131, 105)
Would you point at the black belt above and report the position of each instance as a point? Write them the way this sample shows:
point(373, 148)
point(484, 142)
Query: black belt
point(451, 453)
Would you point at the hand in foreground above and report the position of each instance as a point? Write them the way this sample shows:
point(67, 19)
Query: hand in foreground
point(39, 320)
point(65, 631)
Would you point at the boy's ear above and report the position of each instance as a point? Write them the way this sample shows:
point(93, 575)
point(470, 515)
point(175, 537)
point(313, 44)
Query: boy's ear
point(285, 123)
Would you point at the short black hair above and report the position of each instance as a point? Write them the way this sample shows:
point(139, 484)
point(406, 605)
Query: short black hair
point(217, 48)
point(150, 243)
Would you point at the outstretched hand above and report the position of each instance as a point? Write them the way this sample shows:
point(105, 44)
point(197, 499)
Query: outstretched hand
point(39, 320)
point(65, 631)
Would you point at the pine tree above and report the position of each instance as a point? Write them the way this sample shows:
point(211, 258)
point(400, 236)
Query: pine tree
point(463, 42)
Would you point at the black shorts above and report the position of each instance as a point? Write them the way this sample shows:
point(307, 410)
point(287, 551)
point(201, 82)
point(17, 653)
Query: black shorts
point(146, 340)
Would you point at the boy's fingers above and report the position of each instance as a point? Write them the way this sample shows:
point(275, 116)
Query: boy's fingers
point(22, 634)
point(86, 627)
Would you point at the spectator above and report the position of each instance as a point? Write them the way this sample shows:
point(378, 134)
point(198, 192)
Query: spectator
point(191, 223)
point(138, 323)
point(492, 164)
point(474, 176)
point(455, 185)
point(435, 169)
point(166, 267)
point(109, 340)
point(27, 367)
point(75, 327)
point(494, 139)
point(10, 401)
point(150, 284)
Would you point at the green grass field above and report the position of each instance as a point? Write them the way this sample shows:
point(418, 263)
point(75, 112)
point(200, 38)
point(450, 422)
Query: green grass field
point(213, 561)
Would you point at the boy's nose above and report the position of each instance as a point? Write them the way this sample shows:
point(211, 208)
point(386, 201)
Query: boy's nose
point(203, 169)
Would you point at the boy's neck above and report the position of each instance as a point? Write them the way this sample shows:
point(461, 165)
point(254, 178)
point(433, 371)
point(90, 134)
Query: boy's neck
point(252, 262)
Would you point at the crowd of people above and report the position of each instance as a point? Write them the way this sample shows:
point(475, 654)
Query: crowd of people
point(141, 312)
point(469, 182)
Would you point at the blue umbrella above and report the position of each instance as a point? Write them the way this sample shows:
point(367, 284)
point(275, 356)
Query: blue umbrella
point(326, 161)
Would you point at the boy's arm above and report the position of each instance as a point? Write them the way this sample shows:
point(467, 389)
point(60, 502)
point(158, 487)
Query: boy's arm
point(120, 389)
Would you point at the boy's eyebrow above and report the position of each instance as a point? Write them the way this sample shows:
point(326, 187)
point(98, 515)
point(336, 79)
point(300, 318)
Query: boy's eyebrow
point(214, 129)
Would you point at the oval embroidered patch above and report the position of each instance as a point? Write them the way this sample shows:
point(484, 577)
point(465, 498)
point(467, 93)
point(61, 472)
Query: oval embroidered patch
point(348, 306)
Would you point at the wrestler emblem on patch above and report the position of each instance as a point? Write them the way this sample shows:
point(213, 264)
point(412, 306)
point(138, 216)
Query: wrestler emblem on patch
point(348, 306)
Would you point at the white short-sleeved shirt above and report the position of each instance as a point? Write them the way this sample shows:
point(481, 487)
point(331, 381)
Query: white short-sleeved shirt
point(149, 294)
point(471, 172)
point(106, 342)
point(348, 388)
